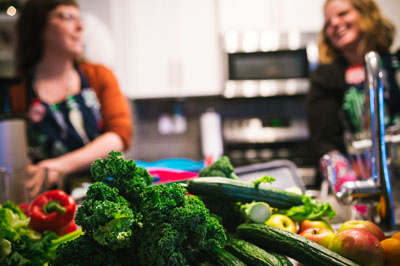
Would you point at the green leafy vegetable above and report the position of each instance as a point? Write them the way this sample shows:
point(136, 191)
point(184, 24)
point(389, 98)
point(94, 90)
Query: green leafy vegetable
point(121, 174)
point(264, 179)
point(5, 247)
point(221, 167)
point(174, 225)
point(107, 217)
point(14, 223)
point(20, 245)
point(311, 210)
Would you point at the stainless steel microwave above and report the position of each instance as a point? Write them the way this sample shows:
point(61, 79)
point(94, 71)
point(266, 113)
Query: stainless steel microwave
point(281, 64)
point(280, 68)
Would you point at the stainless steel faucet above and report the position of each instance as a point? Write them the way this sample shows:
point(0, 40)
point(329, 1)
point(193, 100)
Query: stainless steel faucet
point(378, 187)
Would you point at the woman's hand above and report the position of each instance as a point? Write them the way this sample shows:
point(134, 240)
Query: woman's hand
point(75, 161)
point(45, 175)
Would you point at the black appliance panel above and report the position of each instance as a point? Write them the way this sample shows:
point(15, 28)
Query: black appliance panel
point(282, 64)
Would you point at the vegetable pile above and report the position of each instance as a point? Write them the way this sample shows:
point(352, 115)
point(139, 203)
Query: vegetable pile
point(127, 220)
point(234, 200)
point(248, 211)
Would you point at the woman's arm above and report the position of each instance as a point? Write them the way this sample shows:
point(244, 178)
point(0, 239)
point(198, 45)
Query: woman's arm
point(115, 108)
point(80, 159)
point(75, 161)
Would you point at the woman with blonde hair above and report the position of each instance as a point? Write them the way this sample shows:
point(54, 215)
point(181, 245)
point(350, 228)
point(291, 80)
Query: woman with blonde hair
point(335, 102)
point(377, 33)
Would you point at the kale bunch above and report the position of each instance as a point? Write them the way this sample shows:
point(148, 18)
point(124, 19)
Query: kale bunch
point(107, 217)
point(220, 168)
point(175, 225)
point(122, 174)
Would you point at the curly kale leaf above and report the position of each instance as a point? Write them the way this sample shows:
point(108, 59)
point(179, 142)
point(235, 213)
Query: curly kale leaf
point(221, 167)
point(122, 174)
point(107, 217)
point(174, 225)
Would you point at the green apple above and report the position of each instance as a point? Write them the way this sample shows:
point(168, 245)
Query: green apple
point(282, 221)
point(322, 236)
point(307, 224)
point(359, 246)
point(366, 225)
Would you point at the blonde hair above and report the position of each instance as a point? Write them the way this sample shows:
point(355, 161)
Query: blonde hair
point(378, 32)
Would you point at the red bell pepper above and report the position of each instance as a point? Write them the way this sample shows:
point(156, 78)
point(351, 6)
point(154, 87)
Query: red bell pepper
point(71, 227)
point(25, 208)
point(52, 211)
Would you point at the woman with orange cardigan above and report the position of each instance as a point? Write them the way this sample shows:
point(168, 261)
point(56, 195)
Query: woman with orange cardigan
point(76, 109)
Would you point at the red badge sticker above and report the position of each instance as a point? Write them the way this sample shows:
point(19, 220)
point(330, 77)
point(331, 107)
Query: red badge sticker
point(355, 74)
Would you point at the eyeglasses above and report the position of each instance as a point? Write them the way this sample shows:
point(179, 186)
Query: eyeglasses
point(65, 16)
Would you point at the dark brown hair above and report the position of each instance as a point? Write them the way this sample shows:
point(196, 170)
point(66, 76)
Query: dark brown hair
point(31, 23)
point(378, 31)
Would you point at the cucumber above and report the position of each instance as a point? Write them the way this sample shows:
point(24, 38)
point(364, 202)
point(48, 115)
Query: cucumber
point(282, 259)
point(290, 244)
point(238, 190)
point(256, 212)
point(222, 257)
point(250, 254)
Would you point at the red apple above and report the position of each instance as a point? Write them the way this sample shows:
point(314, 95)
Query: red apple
point(359, 246)
point(307, 224)
point(282, 221)
point(322, 236)
point(366, 225)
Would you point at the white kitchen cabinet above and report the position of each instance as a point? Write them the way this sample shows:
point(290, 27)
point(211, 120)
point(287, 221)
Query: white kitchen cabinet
point(175, 47)
point(283, 15)
point(167, 48)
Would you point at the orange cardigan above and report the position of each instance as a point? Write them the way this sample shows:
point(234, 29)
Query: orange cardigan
point(115, 109)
